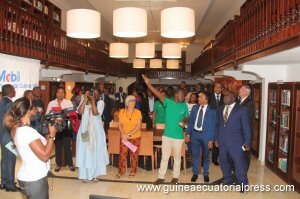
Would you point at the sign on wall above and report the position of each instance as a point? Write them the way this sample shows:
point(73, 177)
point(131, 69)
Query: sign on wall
point(22, 73)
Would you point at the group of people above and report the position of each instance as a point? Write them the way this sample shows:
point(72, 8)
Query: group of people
point(219, 122)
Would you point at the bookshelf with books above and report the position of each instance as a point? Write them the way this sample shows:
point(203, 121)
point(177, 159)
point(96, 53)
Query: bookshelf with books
point(280, 129)
point(295, 162)
point(256, 96)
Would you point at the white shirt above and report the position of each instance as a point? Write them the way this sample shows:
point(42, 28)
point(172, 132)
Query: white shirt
point(230, 107)
point(203, 114)
point(121, 97)
point(242, 100)
point(151, 103)
point(217, 97)
point(32, 167)
point(54, 103)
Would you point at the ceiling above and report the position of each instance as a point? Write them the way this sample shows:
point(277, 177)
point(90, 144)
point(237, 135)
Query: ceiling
point(210, 16)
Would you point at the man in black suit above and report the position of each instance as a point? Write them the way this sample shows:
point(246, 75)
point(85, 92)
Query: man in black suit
point(108, 107)
point(8, 160)
point(246, 101)
point(216, 101)
point(147, 109)
point(120, 98)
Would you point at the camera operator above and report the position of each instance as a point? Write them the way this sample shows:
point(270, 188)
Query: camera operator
point(33, 149)
point(62, 139)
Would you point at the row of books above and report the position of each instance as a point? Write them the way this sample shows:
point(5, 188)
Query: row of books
point(282, 164)
point(271, 156)
point(283, 143)
point(285, 97)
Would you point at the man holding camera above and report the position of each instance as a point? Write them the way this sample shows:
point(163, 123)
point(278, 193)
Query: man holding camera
point(62, 139)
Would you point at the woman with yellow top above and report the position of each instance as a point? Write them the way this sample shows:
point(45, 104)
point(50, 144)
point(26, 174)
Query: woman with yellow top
point(130, 121)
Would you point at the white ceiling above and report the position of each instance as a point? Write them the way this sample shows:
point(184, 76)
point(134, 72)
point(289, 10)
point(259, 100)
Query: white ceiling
point(211, 15)
point(287, 57)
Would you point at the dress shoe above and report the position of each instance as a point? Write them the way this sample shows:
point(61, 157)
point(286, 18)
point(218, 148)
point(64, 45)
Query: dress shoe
point(57, 169)
point(206, 179)
point(12, 189)
point(2, 186)
point(159, 181)
point(174, 181)
point(194, 178)
point(72, 168)
point(216, 163)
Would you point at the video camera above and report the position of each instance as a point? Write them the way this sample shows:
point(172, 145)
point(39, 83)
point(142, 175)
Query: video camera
point(52, 117)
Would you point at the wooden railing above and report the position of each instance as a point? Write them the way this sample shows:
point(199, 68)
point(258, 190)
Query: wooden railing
point(264, 27)
point(24, 34)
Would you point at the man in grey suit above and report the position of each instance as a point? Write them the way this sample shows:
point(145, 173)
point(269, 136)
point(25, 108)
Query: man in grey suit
point(8, 159)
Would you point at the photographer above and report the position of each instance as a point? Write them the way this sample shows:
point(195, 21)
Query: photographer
point(33, 149)
point(62, 139)
point(91, 153)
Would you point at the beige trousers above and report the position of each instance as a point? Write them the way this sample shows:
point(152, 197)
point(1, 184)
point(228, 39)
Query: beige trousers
point(169, 145)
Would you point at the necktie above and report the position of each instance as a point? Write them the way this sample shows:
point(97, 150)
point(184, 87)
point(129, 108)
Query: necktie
point(218, 100)
point(200, 118)
point(226, 114)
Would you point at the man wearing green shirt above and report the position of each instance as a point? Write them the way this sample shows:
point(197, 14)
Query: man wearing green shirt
point(173, 138)
point(159, 111)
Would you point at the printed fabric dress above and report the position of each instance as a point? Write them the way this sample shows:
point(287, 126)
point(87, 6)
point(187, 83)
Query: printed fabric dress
point(91, 150)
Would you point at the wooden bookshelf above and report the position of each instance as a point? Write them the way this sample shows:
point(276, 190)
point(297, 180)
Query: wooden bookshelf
point(256, 96)
point(283, 132)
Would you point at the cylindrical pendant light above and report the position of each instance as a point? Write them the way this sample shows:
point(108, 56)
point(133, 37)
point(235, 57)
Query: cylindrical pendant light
point(177, 22)
point(130, 22)
point(171, 51)
point(155, 63)
point(145, 50)
point(118, 50)
point(83, 23)
point(173, 64)
point(139, 63)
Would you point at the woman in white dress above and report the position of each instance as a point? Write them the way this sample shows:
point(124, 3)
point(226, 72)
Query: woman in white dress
point(91, 150)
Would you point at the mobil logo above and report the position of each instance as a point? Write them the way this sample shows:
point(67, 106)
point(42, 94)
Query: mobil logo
point(10, 76)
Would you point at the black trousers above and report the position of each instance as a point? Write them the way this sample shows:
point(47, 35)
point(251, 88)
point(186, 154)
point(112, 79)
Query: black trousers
point(38, 189)
point(8, 163)
point(215, 154)
point(63, 142)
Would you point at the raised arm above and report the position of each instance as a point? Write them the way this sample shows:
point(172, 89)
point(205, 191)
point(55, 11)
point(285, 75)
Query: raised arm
point(153, 90)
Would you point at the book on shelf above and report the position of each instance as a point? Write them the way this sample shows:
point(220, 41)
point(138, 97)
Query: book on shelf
point(273, 137)
point(271, 156)
point(283, 143)
point(282, 164)
point(286, 97)
point(273, 96)
point(274, 116)
point(285, 120)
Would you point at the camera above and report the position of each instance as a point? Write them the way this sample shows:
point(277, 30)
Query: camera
point(52, 117)
point(92, 92)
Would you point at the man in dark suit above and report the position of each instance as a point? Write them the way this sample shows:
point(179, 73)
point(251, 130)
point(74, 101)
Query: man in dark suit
point(233, 137)
point(8, 160)
point(200, 131)
point(246, 101)
point(120, 98)
point(147, 109)
point(108, 107)
point(216, 101)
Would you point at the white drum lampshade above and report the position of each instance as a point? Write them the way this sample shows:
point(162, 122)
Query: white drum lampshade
point(139, 63)
point(155, 63)
point(130, 22)
point(177, 22)
point(171, 51)
point(83, 23)
point(118, 50)
point(145, 50)
point(173, 64)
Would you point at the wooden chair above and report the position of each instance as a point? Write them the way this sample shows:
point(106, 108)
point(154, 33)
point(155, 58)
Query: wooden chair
point(146, 147)
point(144, 126)
point(114, 125)
point(114, 139)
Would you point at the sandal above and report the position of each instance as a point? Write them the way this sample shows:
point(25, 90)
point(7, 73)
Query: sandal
point(95, 180)
point(118, 176)
point(131, 175)
point(84, 181)
point(57, 169)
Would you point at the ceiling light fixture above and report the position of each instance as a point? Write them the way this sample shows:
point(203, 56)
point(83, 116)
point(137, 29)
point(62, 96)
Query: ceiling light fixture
point(139, 63)
point(83, 24)
point(171, 51)
point(155, 63)
point(145, 50)
point(177, 22)
point(118, 50)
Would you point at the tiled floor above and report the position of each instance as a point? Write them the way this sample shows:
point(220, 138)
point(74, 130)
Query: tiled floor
point(71, 188)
